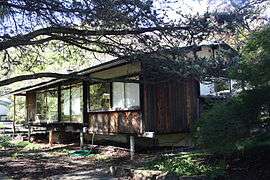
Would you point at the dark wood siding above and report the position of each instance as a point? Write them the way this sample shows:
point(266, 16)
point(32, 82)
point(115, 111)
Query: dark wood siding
point(31, 105)
point(170, 106)
point(107, 122)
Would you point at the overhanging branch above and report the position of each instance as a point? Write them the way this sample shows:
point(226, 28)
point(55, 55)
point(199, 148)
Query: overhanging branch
point(28, 39)
point(37, 76)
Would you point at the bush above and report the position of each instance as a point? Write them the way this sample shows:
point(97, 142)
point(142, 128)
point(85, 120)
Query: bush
point(5, 142)
point(225, 126)
point(187, 164)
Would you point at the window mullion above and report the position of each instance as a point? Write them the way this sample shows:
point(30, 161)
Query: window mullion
point(125, 101)
point(70, 104)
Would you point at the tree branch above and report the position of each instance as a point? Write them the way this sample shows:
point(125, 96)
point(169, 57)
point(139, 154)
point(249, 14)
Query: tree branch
point(39, 75)
point(19, 40)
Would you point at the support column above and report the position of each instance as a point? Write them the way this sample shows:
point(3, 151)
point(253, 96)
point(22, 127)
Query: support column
point(52, 137)
point(132, 146)
point(29, 131)
point(14, 116)
point(81, 139)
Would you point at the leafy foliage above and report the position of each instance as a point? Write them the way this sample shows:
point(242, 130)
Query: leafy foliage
point(237, 123)
point(225, 126)
point(221, 127)
point(112, 27)
point(7, 142)
point(254, 68)
point(187, 164)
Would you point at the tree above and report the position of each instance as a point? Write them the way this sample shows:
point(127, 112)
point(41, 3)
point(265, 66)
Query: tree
point(254, 67)
point(242, 121)
point(118, 28)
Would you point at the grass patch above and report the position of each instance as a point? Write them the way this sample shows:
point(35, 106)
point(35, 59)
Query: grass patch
point(7, 142)
point(188, 164)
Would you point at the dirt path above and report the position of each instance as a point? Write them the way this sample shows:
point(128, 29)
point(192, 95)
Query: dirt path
point(58, 164)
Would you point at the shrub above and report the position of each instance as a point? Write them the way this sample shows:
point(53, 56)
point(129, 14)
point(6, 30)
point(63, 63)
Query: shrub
point(225, 126)
point(5, 142)
point(187, 164)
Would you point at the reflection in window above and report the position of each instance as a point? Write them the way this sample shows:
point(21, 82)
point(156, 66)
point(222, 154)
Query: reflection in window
point(52, 103)
point(118, 95)
point(65, 104)
point(126, 95)
point(47, 106)
point(76, 103)
point(71, 103)
point(100, 96)
point(41, 106)
point(132, 95)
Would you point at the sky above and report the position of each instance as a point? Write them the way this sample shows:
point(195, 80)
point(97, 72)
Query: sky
point(195, 6)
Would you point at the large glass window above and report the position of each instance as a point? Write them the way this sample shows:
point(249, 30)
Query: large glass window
point(41, 106)
point(52, 106)
point(100, 98)
point(126, 95)
point(76, 103)
point(47, 106)
point(71, 103)
point(65, 104)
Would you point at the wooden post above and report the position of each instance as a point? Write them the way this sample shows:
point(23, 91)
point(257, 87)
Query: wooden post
point(52, 137)
point(81, 139)
point(29, 131)
point(92, 139)
point(85, 103)
point(14, 116)
point(132, 147)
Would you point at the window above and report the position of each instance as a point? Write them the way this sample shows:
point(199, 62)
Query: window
point(41, 106)
point(71, 103)
point(65, 104)
point(76, 103)
point(47, 105)
point(52, 106)
point(216, 88)
point(126, 95)
point(100, 98)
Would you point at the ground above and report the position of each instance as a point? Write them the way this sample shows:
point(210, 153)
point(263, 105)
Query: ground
point(23, 160)
point(57, 162)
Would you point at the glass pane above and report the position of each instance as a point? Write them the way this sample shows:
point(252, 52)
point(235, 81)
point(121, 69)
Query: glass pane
point(41, 106)
point(65, 104)
point(132, 91)
point(52, 104)
point(118, 95)
point(100, 96)
point(76, 103)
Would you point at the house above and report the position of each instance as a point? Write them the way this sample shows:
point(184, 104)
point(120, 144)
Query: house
point(138, 96)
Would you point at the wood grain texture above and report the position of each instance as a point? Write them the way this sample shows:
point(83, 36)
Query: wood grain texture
point(31, 106)
point(115, 122)
point(170, 106)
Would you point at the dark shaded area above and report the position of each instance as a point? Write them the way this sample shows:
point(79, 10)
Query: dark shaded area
point(252, 164)
point(41, 164)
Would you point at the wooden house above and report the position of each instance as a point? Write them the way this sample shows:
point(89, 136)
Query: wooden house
point(132, 96)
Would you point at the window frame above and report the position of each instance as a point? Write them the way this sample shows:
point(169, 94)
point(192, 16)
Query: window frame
point(46, 106)
point(69, 89)
point(111, 97)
